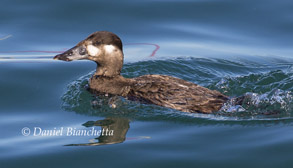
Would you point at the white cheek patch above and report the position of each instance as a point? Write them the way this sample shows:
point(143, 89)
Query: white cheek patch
point(109, 48)
point(92, 50)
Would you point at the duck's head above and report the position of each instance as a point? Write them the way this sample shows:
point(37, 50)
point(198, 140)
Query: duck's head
point(105, 48)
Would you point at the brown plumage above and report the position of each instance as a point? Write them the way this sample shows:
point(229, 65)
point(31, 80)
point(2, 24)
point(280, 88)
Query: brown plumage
point(105, 48)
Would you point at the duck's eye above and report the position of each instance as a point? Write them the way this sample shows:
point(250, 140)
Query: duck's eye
point(97, 43)
point(82, 51)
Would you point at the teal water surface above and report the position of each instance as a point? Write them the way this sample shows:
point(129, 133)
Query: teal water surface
point(235, 47)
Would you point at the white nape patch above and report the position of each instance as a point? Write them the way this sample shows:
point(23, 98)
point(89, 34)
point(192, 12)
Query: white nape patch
point(109, 48)
point(92, 50)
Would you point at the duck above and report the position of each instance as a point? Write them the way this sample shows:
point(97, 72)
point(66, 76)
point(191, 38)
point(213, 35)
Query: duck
point(105, 48)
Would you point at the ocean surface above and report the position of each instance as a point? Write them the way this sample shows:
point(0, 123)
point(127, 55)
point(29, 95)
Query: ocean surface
point(49, 119)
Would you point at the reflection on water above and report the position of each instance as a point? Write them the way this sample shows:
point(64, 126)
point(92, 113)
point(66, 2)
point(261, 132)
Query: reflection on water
point(119, 126)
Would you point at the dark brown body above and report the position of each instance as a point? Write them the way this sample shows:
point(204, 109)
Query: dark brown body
point(161, 90)
point(105, 48)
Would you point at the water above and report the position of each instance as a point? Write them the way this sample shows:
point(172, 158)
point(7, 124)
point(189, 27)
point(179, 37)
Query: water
point(236, 47)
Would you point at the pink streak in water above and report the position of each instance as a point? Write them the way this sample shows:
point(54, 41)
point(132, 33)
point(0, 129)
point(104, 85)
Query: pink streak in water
point(43, 51)
point(152, 44)
point(33, 51)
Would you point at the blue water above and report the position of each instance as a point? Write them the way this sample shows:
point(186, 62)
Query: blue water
point(235, 47)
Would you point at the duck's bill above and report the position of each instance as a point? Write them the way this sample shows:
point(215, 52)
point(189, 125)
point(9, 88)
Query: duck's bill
point(75, 53)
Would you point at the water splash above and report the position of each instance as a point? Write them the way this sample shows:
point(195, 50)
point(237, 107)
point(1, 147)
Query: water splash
point(264, 95)
point(270, 103)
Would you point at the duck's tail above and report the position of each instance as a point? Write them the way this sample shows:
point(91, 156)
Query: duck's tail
point(239, 100)
point(234, 104)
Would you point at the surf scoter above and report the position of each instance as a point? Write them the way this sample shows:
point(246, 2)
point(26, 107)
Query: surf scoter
point(105, 48)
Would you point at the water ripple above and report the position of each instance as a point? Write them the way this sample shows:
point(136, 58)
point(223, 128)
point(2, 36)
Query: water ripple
point(264, 95)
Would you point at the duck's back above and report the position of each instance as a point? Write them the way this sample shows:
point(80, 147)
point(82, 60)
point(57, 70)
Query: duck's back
point(176, 93)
